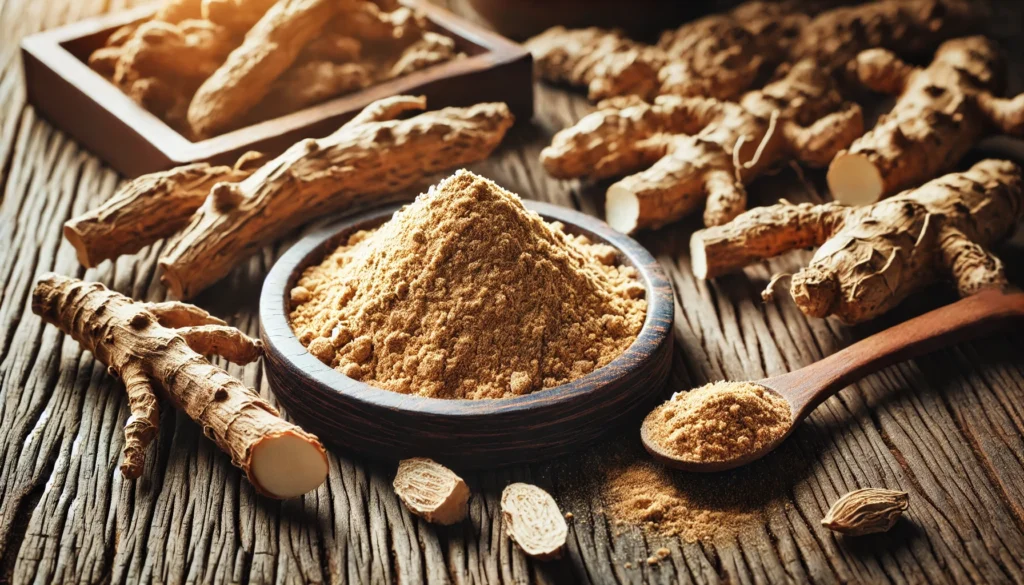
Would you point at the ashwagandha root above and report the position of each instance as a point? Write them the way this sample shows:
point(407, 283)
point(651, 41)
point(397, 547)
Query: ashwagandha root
point(717, 56)
point(723, 55)
point(700, 149)
point(909, 28)
point(871, 258)
point(362, 163)
point(149, 208)
point(245, 78)
point(158, 348)
point(942, 112)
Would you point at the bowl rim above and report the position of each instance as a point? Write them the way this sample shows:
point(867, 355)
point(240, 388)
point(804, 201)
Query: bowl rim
point(286, 346)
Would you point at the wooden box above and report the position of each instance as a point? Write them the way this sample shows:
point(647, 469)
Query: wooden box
point(82, 103)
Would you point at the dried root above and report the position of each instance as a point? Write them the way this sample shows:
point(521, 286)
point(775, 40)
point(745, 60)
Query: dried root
point(942, 111)
point(432, 491)
point(430, 50)
point(722, 55)
point(148, 209)
point(359, 164)
point(158, 347)
point(700, 149)
point(311, 83)
point(605, 62)
point(906, 27)
point(160, 64)
point(248, 74)
point(238, 16)
point(237, 62)
point(871, 258)
point(175, 11)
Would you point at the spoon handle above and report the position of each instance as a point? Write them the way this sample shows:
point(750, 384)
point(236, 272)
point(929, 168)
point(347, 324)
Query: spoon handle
point(965, 319)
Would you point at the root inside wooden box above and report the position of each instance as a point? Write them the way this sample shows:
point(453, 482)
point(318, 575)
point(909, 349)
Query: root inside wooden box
point(133, 141)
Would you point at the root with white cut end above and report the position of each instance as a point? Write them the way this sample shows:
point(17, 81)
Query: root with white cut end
point(156, 348)
point(871, 258)
point(688, 152)
point(942, 111)
point(432, 491)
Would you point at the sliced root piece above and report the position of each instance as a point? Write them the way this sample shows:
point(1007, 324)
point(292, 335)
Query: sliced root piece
point(278, 458)
point(533, 521)
point(288, 464)
point(854, 180)
point(432, 491)
point(622, 209)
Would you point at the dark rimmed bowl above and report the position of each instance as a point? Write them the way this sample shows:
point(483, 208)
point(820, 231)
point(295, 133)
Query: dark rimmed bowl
point(471, 433)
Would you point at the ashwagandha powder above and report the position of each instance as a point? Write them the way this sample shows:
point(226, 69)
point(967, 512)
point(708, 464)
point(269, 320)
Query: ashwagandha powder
point(720, 421)
point(466, 294)
point(647, 495)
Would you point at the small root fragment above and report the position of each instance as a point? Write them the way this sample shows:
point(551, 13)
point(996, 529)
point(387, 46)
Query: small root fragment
point(432, 491)
point(532, 520)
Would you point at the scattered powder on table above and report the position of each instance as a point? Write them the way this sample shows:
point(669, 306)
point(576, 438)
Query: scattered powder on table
point(646, 494)
point(466, 294)
point(720, 421)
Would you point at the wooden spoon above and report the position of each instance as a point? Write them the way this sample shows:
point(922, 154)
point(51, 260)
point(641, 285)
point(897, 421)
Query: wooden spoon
point(809, 386)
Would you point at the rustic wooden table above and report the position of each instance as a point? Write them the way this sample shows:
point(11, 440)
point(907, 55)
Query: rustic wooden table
point(948, 428)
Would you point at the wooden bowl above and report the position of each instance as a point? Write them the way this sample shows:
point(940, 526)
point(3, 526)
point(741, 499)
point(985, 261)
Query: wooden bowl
point(473, 433)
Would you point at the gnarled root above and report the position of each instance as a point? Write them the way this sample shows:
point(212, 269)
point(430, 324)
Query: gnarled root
point(358, 164)
point(148, 209)
point(137, 345)
point(871, 258)
point(604, 61)
point(942, 111)
point(701, 149)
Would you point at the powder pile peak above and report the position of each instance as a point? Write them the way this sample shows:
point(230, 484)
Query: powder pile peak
point(465, 293)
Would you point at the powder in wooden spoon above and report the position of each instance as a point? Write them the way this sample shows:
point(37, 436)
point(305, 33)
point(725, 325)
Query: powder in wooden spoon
point(720, 421)
point(466, 294)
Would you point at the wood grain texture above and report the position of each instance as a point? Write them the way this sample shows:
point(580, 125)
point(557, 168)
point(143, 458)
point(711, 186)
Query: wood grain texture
point(948, 428)
point(470, 433)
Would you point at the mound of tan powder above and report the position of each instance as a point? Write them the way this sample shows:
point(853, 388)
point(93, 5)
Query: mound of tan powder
point(720, 421)
point(466, 294)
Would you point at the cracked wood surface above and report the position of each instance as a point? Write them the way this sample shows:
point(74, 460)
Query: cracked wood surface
point(948, 428)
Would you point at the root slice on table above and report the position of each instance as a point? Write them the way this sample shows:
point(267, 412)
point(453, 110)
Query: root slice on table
point(136, 343)
point(432, 491)
point(871, 258)
point(533, 521)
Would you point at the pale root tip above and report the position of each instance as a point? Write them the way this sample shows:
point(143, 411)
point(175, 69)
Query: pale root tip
point(621, 209)
point(854, 180)
point(698, 257)
point(288, 465)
